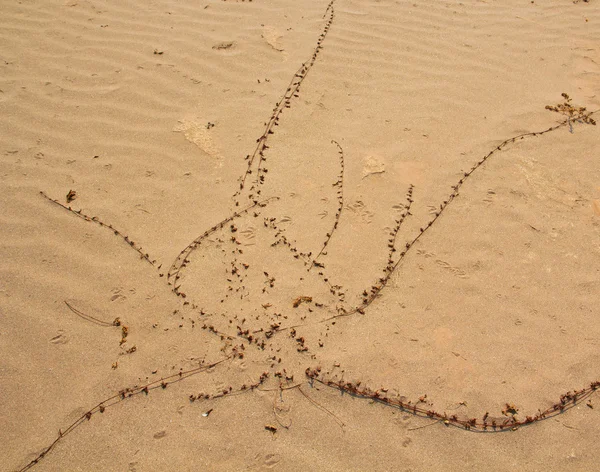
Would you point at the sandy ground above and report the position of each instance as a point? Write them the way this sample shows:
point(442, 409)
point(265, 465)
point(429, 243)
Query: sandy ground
point(148, 111)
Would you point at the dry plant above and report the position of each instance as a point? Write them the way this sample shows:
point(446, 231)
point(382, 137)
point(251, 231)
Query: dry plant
point(260, 338)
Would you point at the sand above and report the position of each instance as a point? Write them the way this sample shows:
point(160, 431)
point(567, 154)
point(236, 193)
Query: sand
point(147, 111)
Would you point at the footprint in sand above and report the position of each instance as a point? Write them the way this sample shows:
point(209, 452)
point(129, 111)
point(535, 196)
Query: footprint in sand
point(271, 460)
point(359, 208)
point(247, 236)
point(60, 338)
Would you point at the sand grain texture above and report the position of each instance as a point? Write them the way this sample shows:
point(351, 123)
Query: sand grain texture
point(148, 111)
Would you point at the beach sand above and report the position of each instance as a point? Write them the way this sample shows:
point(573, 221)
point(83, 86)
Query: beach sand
point(146, 113)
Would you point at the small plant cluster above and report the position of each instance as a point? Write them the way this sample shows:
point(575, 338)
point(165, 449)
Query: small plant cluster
point(339, 184)
point(571, 112)
point(509, 420)
point(394, 233)
point(292, 91)
point(94, 219)
point(128, 393)
point(230, 390)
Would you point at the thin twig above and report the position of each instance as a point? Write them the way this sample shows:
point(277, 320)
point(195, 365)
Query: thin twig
point(321, 407)
point(89, 317)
